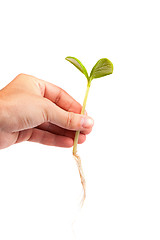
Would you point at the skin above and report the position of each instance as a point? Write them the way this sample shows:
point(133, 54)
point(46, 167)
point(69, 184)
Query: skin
point(38, 111)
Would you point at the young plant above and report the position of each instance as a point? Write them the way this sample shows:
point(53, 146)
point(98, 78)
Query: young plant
point(102, 68)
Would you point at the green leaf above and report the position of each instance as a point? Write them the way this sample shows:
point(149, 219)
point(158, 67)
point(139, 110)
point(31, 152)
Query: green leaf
point(78, 65)
point(102, 68)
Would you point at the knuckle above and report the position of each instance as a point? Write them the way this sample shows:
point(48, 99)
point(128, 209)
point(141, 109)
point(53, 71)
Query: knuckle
point(69, 120)
point(58, 97)
point(20, 75)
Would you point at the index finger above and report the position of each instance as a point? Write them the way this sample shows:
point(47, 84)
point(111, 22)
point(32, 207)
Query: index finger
point(60, 97)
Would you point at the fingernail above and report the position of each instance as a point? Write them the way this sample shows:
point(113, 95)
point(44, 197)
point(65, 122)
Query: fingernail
point(87, 122)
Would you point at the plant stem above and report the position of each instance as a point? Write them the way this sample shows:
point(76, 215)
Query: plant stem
point(82, 112)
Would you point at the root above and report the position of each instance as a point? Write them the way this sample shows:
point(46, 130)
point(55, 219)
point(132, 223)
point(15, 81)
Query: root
point(81, 173)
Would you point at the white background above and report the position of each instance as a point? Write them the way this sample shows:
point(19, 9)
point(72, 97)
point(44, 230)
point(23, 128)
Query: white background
point(39, 185)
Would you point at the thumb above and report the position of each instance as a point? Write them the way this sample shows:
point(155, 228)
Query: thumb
point(68, 120)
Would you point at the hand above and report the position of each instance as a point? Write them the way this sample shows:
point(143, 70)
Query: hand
point(35, 110)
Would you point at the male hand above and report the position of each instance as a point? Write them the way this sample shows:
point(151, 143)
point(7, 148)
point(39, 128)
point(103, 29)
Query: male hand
point(35, 110)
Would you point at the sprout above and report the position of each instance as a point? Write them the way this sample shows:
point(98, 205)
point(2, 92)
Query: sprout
point(102, 68)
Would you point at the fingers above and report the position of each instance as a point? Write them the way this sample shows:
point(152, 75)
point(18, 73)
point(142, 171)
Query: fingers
point(65, 112)
point(61, 131)
point(50, 139)
point(62, 107)
point(60, 97)
point(47, 138)
point(48, 90)
point(68, 120)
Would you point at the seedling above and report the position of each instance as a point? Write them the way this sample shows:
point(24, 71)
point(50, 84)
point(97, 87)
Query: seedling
point(102, 68)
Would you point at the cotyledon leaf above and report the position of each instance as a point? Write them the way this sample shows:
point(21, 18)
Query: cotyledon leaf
point(78, 65)
point(102, 68)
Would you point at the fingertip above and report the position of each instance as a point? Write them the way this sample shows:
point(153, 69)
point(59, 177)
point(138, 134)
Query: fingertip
point(69, 143)
point(87, 122)
point(86, 131)
point(82, 138)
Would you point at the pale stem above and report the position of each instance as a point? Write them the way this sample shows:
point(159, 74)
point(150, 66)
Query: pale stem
point(82, 112)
